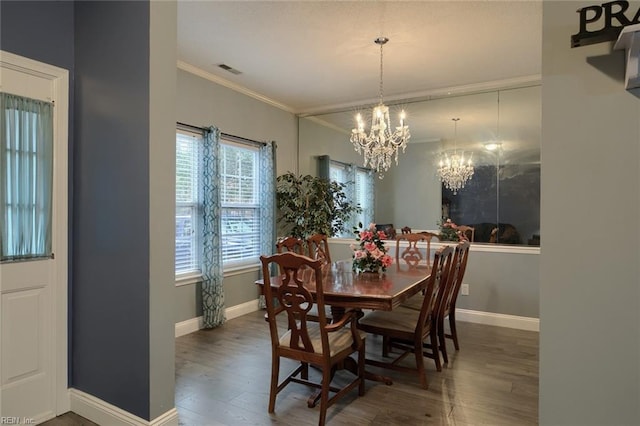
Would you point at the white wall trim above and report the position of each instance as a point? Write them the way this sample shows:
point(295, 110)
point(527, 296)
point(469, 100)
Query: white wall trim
point(475, 247)
point(242, 309)
point(194, 324)
point(188, 326)
point(500, 320)
point(103, 413)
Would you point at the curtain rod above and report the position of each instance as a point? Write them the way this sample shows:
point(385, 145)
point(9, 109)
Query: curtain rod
point(227, 135)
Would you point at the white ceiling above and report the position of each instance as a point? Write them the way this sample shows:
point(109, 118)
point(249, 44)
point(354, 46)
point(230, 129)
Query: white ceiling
point(313, 56)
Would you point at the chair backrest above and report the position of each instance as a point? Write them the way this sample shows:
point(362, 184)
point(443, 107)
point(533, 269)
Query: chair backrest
point(319, 248)
point(290, 244)
point(454, 277)
point(468, 231)
point(433, 293)
point(412, 255)
point(294, 300)
point(406, 230)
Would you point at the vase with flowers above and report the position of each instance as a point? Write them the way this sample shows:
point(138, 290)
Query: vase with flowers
point(370, 255)
point(449, 231)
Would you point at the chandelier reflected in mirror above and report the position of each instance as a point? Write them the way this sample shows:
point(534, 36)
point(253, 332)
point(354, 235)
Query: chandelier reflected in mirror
point(381, 144)
point(454, 170)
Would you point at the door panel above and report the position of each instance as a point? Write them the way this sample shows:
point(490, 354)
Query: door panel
point(33, 293)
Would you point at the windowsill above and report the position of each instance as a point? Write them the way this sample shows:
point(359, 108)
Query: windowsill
point(194, 278)
point(188, 279)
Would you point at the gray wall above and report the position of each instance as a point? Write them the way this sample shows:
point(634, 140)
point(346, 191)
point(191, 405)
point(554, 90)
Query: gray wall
point(410, 193)
point(162, 201)
point(201, 102)
point(111, 224)
point(589, 298)
point(317, 139)
point(120, 283)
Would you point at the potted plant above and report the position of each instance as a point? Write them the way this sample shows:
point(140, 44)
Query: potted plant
point(310, 205)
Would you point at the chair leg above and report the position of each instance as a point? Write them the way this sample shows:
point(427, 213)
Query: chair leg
point(454, 333)
point(435, 350)
point(304, 374)
point(275, 371)
point(324, 397)
point(443, 343)
point(361, 362)
point(386, 343)
point(420, 365)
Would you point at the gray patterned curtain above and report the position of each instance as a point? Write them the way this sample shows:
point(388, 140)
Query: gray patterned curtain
point(267, 201)
point(351, 191)
point(212, 290)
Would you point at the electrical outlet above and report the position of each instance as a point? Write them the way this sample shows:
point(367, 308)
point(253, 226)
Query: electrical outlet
point(464, 289)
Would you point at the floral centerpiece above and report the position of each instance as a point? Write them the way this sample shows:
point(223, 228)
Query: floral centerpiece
point(370, 255)
point(449, 231)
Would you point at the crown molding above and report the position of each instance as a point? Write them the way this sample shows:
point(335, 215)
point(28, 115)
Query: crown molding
point(233, 86)
point(407, 98)
point(425, 95)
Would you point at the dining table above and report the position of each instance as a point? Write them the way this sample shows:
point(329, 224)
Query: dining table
point(343, 289)
point(346, 289)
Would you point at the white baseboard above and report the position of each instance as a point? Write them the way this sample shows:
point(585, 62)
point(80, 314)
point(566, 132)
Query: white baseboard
point(478, 317)
point(103, 413)
point(195, 324)
point(189, 326)
point(242, 309)
point(500, 320)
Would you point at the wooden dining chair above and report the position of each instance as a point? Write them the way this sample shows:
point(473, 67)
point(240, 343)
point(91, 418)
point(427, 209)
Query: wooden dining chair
point(412, 255)
point(318, 246)
point(448, 306)
point(407, 329)
point(406, 230)
point(448, 296)
point(320, 344)
point(290, 244)
point(468, 231)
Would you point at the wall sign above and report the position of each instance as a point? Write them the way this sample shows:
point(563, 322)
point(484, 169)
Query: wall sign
point(597, 22)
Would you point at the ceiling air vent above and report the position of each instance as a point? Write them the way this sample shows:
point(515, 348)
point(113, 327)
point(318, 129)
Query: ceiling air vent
point(230, 69)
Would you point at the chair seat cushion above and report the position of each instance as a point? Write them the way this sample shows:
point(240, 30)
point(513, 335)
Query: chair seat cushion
point(338, 340)
point(400, 319)
point(414, 302)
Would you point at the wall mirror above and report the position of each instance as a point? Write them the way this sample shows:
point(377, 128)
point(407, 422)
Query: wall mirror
point(502, 199)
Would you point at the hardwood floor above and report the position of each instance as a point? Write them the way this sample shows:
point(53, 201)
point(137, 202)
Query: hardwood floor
point(222, 378)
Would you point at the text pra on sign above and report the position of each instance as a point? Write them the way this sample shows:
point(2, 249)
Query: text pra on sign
point(597, 22)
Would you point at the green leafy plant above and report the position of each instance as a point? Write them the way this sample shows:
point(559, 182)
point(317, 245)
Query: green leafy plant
point(449, 231)
point(310, 205)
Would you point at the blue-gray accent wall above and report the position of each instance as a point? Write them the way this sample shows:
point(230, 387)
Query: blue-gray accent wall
point(111, 221)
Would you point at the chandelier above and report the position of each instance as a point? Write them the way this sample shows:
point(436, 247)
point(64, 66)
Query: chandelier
point(381, 144)
point(454, 170)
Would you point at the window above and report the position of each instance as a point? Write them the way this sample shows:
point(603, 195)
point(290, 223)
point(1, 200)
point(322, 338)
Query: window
point(188, 147)
point(364, 195)
point(239, 197)
point(239, 180)
point(26, 167)
point(360, 190)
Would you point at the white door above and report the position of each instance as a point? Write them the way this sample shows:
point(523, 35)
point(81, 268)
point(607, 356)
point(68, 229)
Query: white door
point(33, 305)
